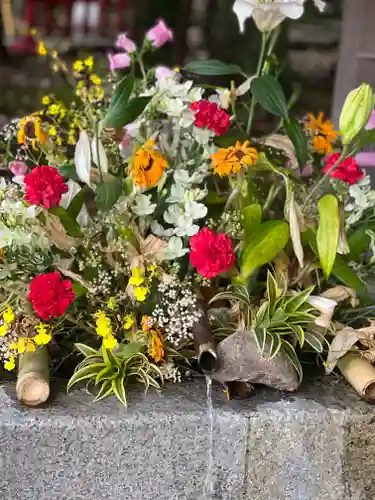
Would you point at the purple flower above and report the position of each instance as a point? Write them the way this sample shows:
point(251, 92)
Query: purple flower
point(162, 72)
point(159, 34)
point(371, 123)
point(119, 61)
point(366, 159)
point(125, 43)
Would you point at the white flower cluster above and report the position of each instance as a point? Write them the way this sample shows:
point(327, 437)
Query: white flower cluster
point(170, 372)
point(362, 197)
point(177, 311)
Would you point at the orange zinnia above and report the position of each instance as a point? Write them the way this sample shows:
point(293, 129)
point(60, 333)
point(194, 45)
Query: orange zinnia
point(148, 165)
point(323, 132)
point(157, 346)
point(231, 160)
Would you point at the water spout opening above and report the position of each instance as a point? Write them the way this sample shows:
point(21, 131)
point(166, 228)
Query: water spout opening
point(207, 359)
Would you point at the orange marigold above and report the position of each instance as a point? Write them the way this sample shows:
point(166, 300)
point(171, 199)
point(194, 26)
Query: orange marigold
point(157, 346)
point(148, 165)
point(231, 160)
point(323, 132)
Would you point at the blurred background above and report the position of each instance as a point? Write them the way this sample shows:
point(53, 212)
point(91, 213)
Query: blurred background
point(308, 49)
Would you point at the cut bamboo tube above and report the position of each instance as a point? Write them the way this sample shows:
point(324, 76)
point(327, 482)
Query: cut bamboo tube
point(33, 377)
point(360, 373)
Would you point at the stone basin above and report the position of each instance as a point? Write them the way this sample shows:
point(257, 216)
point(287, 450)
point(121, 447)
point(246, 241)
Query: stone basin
point(318, 444)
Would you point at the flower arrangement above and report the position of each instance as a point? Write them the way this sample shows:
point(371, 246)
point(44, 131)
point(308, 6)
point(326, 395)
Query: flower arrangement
point(147, 215)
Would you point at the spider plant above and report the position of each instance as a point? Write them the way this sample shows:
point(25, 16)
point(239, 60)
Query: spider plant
point(111, 371)
point(282, 321)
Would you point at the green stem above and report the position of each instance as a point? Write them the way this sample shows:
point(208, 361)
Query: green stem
point(97, 150)
point(326, 175)
point(258, 73)
point(141, 67)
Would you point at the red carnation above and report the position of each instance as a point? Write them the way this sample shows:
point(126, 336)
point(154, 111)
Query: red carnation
point(209, 115)
point(50, 295)
point(347, 170)
point(44, 187)
point(211, 253)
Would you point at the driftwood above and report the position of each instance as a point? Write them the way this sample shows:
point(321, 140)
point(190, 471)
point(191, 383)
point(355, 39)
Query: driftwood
point(240, 360)
point(33, 377)
point(360, 373)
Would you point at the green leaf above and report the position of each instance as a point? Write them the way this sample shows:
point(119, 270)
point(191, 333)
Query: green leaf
point(119, 102)
point(297, 300)
point(315, 341)
point(85, 373)
point(298, 137)
point(346, 275)
point(260, 337)
point(251, 218)
point(211, 67)
point(71, 225)
point(327, 236)
point(128, 350)
point(107, 373)
point(292, 356)
point(271, 237)
point(109, 358)
point(134, 108)
point(107, 193)
point(118, 387)
point(230, 138)
point(76, 204)
point(275, 345)
point(105, 391)
point(79, 290)
point(269, 94)
point(272, 292)
point(359, 241)
point(69, 172)
point(366, 139)
point(86, 350)
point(299, 333)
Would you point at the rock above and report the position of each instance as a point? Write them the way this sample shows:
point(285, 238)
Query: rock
point(318, 444)
point(239, 359)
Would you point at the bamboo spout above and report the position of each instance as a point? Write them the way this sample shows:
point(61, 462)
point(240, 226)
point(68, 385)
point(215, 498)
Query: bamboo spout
point(206, 347)
point(33, 377)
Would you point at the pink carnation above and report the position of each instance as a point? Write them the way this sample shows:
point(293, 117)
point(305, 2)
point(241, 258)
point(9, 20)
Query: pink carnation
point(209, 115)
point(50, 295)
point(44, 187)
point(211, 253)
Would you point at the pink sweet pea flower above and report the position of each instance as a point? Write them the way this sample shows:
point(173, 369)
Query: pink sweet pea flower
point(371, 123)
point(162, 72)
point(367, 159)
point(159, 34)
point(119, 61)
point(18, 168)
point(125, 43)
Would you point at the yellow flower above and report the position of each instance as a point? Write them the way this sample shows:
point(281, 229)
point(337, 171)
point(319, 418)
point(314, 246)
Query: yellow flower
point(3, 330)
point(30, 346)
point(52, 131)
point(46, 100)
point(10, 364)
point(78, 66)
point(157, 346)
point(96, 79)
point(128, 322)
point(89, 62)
point(42, 50)
point(30, 129)
point(231, 160)
point(111, 304)
point(148, 165)
point(54, 54)
point(140, 293)
point(8, 315)
point(137, 277)
point(71, 140)
point(109, 342)
point(54, 109)
point(42, 338)
point(152, 269)
point(103, 324)
point(59, 141)
point(323, 132)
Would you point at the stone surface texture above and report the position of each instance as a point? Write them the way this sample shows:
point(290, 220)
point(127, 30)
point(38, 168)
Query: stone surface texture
point(318, 444)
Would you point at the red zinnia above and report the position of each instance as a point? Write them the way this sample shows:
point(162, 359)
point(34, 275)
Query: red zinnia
point(44, 187)
point(209, 115)
point(50, 295)
point(211, 253)
point(347, 170)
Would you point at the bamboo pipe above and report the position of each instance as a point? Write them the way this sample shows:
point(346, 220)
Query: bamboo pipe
point(206, 348)
point(33, 387)
point(360, 373)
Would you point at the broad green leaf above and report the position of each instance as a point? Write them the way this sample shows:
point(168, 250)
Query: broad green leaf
point(86, 350)
point(271, 237)
point(268, 92)
point(251, 218)
point(293, 358)
point(215, 199)
point(128, 350)
point(299, 139)
point(230, 138)
point(107, 193)
point(366, 139)
point(327, 236)
point(76, 204)
point(85, 373)
point(119, 102)
point(118, 387)
point(71, 226)
point(69, 172)
point(359, 241)
point(346, 275)
point(134, 108)
point(105, 391)
point(79, 290)
point(211, 67)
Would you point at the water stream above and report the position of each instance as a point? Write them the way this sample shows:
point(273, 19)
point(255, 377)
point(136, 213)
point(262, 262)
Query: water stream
point(209, 484)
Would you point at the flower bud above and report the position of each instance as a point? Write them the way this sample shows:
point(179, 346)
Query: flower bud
point(356, 112)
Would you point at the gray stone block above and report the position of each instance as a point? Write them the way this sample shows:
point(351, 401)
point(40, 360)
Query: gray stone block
point(318, 444)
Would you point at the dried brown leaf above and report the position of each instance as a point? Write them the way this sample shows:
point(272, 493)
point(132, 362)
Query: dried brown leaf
point(341, 293)
point(57, 234)
point(283, 142)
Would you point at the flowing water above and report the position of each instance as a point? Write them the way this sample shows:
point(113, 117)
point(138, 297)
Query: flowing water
point(209, 484)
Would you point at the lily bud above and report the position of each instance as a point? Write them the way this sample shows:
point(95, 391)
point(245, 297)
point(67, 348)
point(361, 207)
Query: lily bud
point(356, 112)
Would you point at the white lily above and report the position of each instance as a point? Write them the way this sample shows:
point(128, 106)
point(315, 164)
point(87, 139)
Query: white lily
point(82, 157)
point(268, 14)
